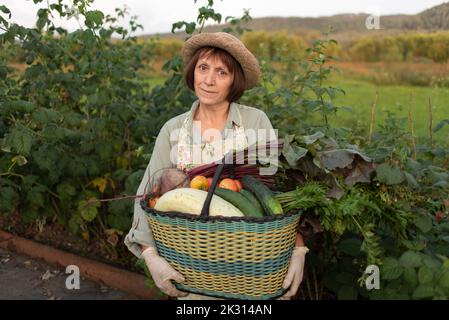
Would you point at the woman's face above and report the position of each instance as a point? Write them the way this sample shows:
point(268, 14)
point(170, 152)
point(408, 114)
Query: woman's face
point(212, 80)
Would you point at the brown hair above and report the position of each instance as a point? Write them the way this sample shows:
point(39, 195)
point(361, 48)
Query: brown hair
point(237, 86)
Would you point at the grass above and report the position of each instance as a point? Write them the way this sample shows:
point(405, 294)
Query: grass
point(394, 98)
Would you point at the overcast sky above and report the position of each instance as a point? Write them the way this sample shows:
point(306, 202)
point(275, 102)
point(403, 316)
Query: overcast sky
point(157, 16)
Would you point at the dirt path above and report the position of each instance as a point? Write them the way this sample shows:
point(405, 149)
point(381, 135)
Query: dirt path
point(26, 278)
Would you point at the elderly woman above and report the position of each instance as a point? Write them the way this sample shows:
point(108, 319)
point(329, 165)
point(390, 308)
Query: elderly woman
point(218, 68)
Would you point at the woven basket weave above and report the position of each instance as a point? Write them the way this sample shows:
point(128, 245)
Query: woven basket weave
point(226, 257)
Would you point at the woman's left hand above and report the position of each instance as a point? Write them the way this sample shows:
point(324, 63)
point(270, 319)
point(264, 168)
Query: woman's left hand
point(295, 272)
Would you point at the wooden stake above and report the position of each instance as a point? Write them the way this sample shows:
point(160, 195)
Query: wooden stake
point(373, 109)
point(412, 127)
point(430, 123)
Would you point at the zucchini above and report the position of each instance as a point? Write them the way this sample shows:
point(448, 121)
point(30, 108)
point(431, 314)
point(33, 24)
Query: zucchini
point(189, 200)
point(239, 201)
point(252, 198)
point(266, 197)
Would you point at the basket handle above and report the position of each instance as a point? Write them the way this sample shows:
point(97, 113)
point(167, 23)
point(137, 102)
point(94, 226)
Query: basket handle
point(210, 192)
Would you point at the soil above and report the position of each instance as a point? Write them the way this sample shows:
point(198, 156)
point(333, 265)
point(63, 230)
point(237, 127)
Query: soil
point(24, 278)
point(55, 235)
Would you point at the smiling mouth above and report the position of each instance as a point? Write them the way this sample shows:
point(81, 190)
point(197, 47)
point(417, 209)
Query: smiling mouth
point(210, 92)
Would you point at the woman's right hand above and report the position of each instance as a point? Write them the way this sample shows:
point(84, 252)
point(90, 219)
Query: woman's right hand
point(162, 272)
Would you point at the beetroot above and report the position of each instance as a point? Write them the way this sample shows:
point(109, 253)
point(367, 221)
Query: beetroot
point(170, 179)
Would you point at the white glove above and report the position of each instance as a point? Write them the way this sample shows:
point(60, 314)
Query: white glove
point(295, 272)
point(162, 273)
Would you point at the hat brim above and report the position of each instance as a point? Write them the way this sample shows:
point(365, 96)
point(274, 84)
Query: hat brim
point(230, 44)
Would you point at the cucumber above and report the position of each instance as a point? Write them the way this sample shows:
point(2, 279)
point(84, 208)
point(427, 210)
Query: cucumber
point(252, 198)
point(239, 201)
point(266, 197)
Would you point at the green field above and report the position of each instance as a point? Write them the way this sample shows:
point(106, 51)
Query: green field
point(393, 98)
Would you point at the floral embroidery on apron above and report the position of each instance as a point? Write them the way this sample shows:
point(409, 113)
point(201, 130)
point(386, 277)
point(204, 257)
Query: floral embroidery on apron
point(189, 151)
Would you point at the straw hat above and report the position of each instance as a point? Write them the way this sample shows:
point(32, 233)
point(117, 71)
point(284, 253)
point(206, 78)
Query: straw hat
point(230, 44)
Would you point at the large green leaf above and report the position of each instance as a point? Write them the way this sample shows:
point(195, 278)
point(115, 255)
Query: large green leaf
point(94, 18)
point(311, 138)
point(424, 291)
point(35, 197)
point(391, 269)
point(389, 175)
point(88, 209)
point(120, 214)
point(334, 159)
point(410, 259)
point(425, 275)
point(291, 151)
point(423, 222)
point(444, 279)
point(66, 190)
point(20, 139)
point(415, 245)
point(410, 276)
point(9, 199)
point(411, 181)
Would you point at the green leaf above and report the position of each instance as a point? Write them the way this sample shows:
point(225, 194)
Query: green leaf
point(350, 246)
point(410, 276)
point(88, 210)
point(29, 214)
point(391, 273)
point(412, 165)
point(120, 215)
point(411, 181)
point(410, 259)
point(9, 199)
point(347, 293)
point(440, 125)
point(35, 197)
point(334, 159)
point(311, 139)
point(66, 190)
point(190, 27)
point(424, 291)
point(425, 275)
point(44, 116)
point(292, 152)
point(416, 245)
point(20, 140)
point(389, 175)
point(431, 263)
point(94, 18)
point(444, 279)
point(133, 181)
point(423, 222)
point(4, 9)
point(75, 223)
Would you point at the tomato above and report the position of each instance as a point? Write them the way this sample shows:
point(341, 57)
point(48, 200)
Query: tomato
point(238, 184)
point(200, 183)
point(228, 183)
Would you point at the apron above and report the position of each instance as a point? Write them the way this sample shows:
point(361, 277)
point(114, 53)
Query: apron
point(192, 154)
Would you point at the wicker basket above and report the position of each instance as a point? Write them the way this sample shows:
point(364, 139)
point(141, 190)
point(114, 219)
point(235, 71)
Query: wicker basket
point(226, 257)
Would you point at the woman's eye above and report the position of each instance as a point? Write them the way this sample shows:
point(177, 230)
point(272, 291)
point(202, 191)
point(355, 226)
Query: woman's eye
point(222, 73)
point(202, 67)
